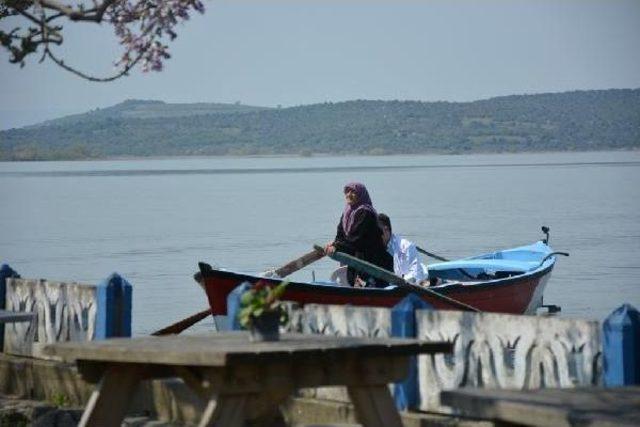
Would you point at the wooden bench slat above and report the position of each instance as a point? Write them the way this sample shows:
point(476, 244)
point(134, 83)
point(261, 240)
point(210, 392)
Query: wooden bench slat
point(7, 316)
point(197, 350)
point(540, 407)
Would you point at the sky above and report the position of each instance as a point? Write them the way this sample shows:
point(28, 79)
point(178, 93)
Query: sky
point(288, 53)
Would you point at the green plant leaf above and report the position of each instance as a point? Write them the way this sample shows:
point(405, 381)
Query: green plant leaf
point(279, 290)
point(255, 303)
point(246, 297)
point(245, 318)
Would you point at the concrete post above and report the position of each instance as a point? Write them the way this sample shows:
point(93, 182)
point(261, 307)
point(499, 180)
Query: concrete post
point(621, 347)
point(114, 296)
point(403, 325)
point(5, 273)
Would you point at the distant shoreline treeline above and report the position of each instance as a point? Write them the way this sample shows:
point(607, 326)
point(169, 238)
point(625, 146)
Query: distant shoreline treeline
point(570, 121)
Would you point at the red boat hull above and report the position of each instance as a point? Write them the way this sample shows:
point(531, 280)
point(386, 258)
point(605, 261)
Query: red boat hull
point(516, 295)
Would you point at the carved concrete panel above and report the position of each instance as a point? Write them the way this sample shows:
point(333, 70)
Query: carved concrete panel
point(63, 312)
point(341, 320)
point(506, 351)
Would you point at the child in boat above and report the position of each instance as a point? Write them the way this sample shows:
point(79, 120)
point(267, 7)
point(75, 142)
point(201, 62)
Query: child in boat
point(406, 260)
point(359, 234)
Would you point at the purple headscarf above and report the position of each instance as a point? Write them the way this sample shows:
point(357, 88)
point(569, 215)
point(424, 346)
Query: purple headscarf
point(363, 203)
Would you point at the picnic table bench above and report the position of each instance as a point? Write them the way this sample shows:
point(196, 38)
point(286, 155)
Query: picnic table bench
point(240, 380)
point(583, 406)
point(15, 316)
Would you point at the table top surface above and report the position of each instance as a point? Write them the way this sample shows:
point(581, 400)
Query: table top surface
point(557, 406)
point(220, 349)
point(15, 316)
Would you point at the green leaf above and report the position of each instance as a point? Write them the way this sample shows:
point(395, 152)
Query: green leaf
point(246, 298)
point(279, 290)
point(245, 319)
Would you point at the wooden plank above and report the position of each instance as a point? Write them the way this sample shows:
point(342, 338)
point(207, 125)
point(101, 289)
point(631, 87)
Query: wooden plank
point(92, 372)
point(240, 379)
point(351, 371)
point(202, 381)
point(284, 376)
point(592, 406)
point(221, 349)
point(109, 402)
point(224, 410)
point(7, 316)
point(374, 406)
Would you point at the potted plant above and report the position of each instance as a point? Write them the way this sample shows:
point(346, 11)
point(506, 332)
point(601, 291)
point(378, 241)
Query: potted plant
point(261, 311)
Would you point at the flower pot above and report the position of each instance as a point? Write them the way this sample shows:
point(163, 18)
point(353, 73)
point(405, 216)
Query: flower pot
point(265, 327)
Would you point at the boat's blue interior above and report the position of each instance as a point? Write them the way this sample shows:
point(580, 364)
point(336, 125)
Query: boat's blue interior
point(494, 265)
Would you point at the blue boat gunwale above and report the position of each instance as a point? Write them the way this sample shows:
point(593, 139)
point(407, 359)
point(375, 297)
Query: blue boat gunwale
point(504, 261)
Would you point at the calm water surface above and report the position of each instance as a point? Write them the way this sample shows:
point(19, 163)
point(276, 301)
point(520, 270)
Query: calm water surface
point(153, 220)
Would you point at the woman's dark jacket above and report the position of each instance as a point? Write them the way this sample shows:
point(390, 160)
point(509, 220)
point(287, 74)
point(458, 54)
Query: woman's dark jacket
point(364, 242)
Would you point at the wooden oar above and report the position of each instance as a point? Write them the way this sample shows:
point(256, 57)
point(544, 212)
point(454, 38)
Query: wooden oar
point(438, 257)
point(300, 263)
point(432, 255)
point(387, 276)
point(285, 270)
point(183, 324)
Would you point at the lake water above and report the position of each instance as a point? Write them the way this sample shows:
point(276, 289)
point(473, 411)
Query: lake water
point(153, 220)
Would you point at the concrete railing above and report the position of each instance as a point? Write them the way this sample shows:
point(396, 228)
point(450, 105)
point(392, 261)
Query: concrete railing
point(491, 350)
point(64, 311)
point(506, 351)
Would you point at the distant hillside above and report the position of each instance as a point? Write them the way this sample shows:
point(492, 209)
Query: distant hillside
point(580, 121)
point(138, 109)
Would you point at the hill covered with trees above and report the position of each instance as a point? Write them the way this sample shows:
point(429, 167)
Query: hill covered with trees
point(570, 121)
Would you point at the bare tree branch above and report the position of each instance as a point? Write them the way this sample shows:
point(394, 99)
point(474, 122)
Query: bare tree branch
point(95, 14)
point(79, 73)
point(140, 25)
point(29, 16)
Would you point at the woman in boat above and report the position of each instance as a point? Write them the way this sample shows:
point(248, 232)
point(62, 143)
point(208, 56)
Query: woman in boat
point(359, 234)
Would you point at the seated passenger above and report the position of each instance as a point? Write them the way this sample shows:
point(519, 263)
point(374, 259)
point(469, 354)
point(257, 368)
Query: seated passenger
point(406, 260)
point(360, 235)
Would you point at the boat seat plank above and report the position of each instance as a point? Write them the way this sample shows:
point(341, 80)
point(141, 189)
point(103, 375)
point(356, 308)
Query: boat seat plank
point(486, 264)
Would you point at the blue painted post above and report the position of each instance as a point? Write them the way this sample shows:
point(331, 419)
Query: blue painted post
point(6, 272)
point(403, 325)
point(621, 347)
point(233, 305)
point(114, 308)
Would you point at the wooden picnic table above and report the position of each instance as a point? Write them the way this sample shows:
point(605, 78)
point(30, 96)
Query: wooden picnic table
point(583, 406)
point(15, 316)
point(241, 380)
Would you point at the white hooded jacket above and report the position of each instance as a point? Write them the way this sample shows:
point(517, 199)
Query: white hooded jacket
point(406, 260)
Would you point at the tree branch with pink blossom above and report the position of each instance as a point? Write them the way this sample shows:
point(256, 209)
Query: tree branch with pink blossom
point(143, 29)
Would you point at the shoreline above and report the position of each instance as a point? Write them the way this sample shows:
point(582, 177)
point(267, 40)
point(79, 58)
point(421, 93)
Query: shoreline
point(319, 155)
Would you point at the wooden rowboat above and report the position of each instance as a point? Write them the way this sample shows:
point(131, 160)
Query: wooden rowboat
point(507, 281)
